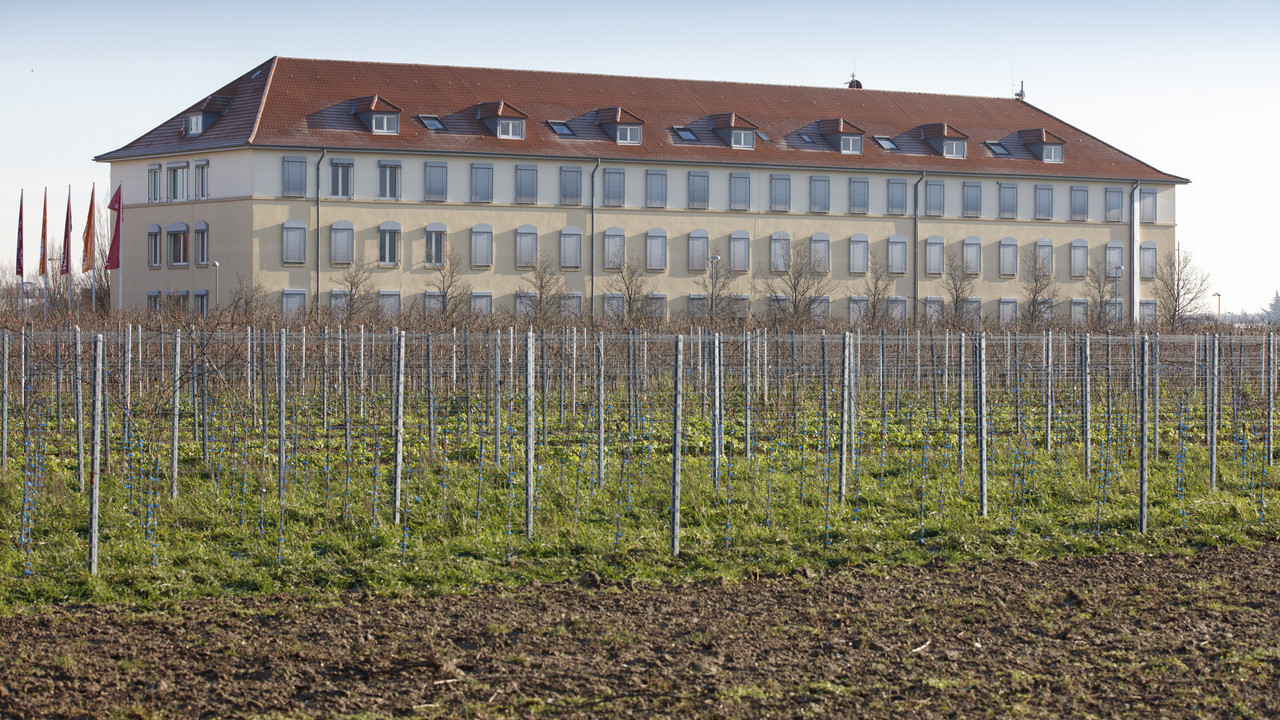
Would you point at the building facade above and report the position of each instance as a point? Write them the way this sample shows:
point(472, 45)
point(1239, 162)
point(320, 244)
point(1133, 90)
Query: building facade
point(300, 170)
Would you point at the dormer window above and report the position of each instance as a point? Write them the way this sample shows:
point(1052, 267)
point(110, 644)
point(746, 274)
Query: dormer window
point(1052, 153)
point(945, 140)
point(998, 149)
point(736, 131)
point(385, 124)
point(953, 148)
point(842, 135)
point(620, 124)
point(1043, 144)
point(432, 122)
point(886, 142)
point(562, 128)
point(851, 144)
point(686, 134)
point(204, 114)
point(742, 139)
point(195, 124)
point(628, 134)
point(510, 129)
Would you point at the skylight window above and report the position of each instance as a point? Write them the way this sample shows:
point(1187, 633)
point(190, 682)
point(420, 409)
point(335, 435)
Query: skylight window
point(886, 142)
point(742, 139)
point(762, 136)
point(385, 124)
point(562, 128)
point(806, 138)
point(432, 122)
point(686, 134)
point(997, 148)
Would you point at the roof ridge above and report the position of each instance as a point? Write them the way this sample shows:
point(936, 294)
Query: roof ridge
point(273, 61)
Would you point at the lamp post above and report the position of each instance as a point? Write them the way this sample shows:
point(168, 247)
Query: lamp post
point(715, 285)
point(1219, 296)
point(217, 286)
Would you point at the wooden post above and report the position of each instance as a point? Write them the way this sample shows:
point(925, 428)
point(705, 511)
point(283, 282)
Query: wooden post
point(95, 454)
point(677, 410)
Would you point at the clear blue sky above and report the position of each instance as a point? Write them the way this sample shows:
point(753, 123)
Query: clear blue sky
point(1191, 88)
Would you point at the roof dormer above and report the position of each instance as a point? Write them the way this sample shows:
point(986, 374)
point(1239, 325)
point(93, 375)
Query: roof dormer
point(380, 116)
point(200, 117)
point(945, 139)
point(1043, 144)
point(842, 134)
point(503, 119)
point(737, 131)
point(620, 124)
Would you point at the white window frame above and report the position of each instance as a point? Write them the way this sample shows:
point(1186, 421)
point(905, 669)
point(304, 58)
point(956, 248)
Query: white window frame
point(388, 179)
point(433, 238)
point(956, 149)
point(629, 134)
point(341, 233)
point(509, 128)
point(341, 176)
point(200, 189)
point(389, 245)
point(850, 144)
point(384, 124)
point(742, 139)
point(155, 247)
point(155, 184)
point(176, 182)
point(179, 239)
point(200, 243)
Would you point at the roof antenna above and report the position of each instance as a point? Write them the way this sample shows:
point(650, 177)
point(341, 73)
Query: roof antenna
point(854, 84)
point(1022, 91)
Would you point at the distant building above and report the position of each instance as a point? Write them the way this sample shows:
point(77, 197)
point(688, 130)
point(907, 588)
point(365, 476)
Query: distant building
point(299, 168)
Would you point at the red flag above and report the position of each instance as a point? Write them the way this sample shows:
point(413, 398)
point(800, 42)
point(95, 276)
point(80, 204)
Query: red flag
point(21, 195)
point(66, 240)
point(44, 234)
point(86, 264)
point(113, 253)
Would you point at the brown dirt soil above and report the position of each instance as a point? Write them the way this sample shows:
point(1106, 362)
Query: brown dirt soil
point(1107, 636)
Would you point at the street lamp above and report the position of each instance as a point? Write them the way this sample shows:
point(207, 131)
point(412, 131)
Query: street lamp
point(1219, 296)
point(217, 286)
point(715, 281)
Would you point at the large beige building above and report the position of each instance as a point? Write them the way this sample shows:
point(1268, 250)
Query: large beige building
point(299, 169)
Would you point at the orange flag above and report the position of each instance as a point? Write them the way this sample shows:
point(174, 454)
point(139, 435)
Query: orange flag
point(87, 264)
point(44, 234)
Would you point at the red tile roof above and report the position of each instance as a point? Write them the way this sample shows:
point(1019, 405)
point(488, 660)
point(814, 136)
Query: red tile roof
point(617, 115)
point(499, 108)
point(1039, 136)
point(372, 103)
point(299, 103)
point(941, 130)
point(838, 126)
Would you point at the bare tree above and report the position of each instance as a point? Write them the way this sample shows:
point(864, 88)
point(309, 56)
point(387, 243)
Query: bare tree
point(1039, 287)
point(247, 302)
point(356, 284)
point(718, 286)
point(1100, 289)
point(1181, 289)
point(878, 284)
point(633, 285)
point(803, 282)
point(451, 287)
point(957, 283)
point(548, 288)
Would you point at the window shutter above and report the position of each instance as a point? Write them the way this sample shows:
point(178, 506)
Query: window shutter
point(972, 199)
point(897, 254)
point(779, 253)
point(699, 183)
point(614, 250)
point(570, 248)
point(1079, 259)
point(570, 186)
point(526, 246)
point(295, 177)
point(481, 182)
point(294, 244)
point(1115, 205)
point(657, 250)
point(858, 192)
point(526, 184)
point(933, 257)
point(340, 245)
point(859, 251)
point(613, 187)
point(655, 188)
point(934, 198)
point(1008, 258)
point(437, 181)
point(820, 253)
point(739, 192)
point(1147, 255)
point(819, 195)
point(972, 257)
point(697, 251)
point(897, 197)
point(780, 193)
point(739, 252)
point(482, 246)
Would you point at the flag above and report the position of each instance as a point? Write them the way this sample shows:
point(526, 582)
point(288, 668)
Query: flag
point(113, 253)
point(44, 233)
point(87, 263)
point(21, 195)
point(65, 267)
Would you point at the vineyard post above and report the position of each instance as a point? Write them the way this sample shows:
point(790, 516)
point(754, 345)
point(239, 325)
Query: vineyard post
point(360, 387)
point(982, 424)
point(262, 387)
point(302, 370)
point(281, 401)
point(1271, 390)
point(204, 399)
point(431, 399)
point(1212, 416)
point(345, 359)
point(960, 397)
point(1086, 407)
point(177, 398)
point(1142, 437)
point(844, 414)
point(933, 373)
point(746, 392)
point(57, 377)
point(529, 399)
point(497, 398)
point(542, 388)
point(94, 454)
point(717, 429)
point(248, 368)
point(1048, 391)
point(599, 409)
point(4, 405)
point(77, 399)
point(1155, 396)
point(126, 420)
point(399, 407)
point(946, 367)
point(677, 409)
point(22, 341)
point(324, 395)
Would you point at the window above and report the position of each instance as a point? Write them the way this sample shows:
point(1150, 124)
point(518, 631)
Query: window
point(1079, 258)
point(739, 191)
point(934, 197)
point(202, 180)
point(628, 134)
point(1079, 311)
point(685, 134)
point(389, 303)
point(820, 253)
point(858, 309)
point(897, 308)
point(293, 242)
point(153, 246)
point(1008, 200)
point(1044, 257)
point(1147, 312)
point(1008, 257)
point(699, 190)
point(526, 184)
point(339, 301)
point(897, 197)
point(739, 251)
point(954, 148)
point(389, 243)
point(1115, 205)
point(153, 184)
point(389, 179)
point(780, 252)
point(570, 186)
point(778, 304)
point(851, 144)
point(885, 142)
point(571, 248)
point(898, 254)
point(998, 149)
point(1115, 310)
point(561, 128)
point(742, 139)
point(858, 196)
point(1147, 198)
point(740, 306)
point(698, 252)
point(1051, 153)
point(933, 309)
point(195, 124)
point(527, 305)
point(341, 243)
point(1008, 310)
point(526, 246)
point(819, 194)
point(481, 182)
point(972, 250)
point(614, 306)
point(436, 182)
point(1147, 260)
point(202, 243)
point(971, 308)
point(178, 300)
point(177, 234)
point(433, 302)
point(655, 188)
point(820, 307)
point(1114, 259)
point(760, 134)
point(384, 124)
point(859, 254)
point(482, 245)
point(933, 251)
point(482, 303)
point(434, 256)
point(293, 302)
point(780, 193)
point(614, 187)
point(656, 249)
point(972, 199)
point(571, 305)
point(202, 303)
point(656, 305)
point(1042, 310)
point(340, 177)
point(432, 122)
point(806, 138)
point(295, 177)
point(1079, 203)
point(510, 129)
point(615, 246)
point(699, 305)
point(153, 301)
point(177, 181)
point(1044, 202)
